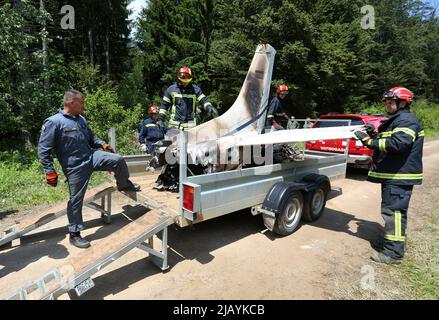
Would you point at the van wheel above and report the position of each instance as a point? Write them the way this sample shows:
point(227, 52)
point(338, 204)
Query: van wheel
point(289, 218)
point(315, 202)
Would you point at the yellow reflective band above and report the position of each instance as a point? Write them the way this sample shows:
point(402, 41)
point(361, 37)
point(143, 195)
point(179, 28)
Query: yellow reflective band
point(408, 131)
point(382, 145)
point(201, 97)
point(394, 238)
point(386, 134)
point(163, 112)
point(270, 116)
point(421, 133)
point(192, 96)
point(182, 125)
point(167, 99)
point(149, 125)
point(398, 224)
point(176, 95)
point(396, 176)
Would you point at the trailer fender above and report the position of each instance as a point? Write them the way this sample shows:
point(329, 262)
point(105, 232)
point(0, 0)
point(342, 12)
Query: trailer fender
point(276, 201)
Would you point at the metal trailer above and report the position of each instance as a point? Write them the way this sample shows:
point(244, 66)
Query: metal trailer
point(282, 193)
point(264, 189)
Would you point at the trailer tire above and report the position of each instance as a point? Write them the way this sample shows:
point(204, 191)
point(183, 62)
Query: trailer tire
point(315, 202)
point(288, 219)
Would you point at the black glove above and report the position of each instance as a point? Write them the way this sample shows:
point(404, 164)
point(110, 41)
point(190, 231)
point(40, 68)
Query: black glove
point(361, 135)
point(370, 129)
point(212, 111)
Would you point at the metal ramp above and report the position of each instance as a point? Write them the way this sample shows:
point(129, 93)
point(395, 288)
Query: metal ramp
point(76, 272)
point(27, 224)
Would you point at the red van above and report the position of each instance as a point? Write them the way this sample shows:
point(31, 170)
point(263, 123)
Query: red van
point(358, 155)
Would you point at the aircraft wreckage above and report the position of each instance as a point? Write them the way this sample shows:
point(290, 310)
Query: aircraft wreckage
point(238, 138)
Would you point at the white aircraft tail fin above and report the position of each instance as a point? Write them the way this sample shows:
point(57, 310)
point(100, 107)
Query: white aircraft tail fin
point(248, 112)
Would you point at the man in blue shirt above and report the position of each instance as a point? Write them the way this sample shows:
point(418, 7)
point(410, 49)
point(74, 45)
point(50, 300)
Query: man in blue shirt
point(67, 133)
point(150, 131)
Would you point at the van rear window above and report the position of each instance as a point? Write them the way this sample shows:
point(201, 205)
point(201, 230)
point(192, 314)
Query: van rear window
point(327, 123)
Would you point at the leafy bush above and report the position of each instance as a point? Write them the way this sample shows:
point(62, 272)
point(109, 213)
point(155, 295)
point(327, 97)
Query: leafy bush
point(22, 183)
point(427, 113)
point(103, 111)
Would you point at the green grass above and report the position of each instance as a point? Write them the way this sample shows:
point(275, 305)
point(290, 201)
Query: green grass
point(431, 133)
point(418, 275)
point(23, 186)
point(421, 268)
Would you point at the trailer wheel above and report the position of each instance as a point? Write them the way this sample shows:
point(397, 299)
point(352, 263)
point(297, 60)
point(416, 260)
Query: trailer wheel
point(315, 202)
point(289, 218)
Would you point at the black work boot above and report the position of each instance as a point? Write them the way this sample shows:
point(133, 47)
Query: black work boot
point(131, 187)
point(78, 241)
point(382, 258)
point(377, 244)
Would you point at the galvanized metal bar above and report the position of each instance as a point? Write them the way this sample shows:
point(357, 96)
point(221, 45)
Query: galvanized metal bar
point(9, 235)
point(150, 250)
point(183, 167)
point(112, 137)
point(107, 215)
point(14, 234)
point(113, 257)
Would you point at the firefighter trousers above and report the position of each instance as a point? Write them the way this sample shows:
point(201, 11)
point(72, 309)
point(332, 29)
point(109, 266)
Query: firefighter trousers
point(394, 205)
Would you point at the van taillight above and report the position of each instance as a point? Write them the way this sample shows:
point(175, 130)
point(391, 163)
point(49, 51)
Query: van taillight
point(188, 198)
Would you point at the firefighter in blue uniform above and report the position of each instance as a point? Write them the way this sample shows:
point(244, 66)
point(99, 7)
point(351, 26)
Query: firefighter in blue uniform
point(276, 116)
point(397, 166)
point(183, 101)
point(68, 135)
point(150, 131)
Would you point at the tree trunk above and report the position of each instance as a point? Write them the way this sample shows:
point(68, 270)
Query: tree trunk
point(24, 76)
point(107, 52)
point(90, 42)
point(45, 54)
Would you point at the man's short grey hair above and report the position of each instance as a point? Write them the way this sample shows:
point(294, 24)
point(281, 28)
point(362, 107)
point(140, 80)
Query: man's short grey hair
point(71, 94)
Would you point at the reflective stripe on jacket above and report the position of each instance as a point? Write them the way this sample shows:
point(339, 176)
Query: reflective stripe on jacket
point(181, 104)
point(150, 133)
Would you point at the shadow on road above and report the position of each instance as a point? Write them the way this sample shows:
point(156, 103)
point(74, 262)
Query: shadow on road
point(356, 174)
point(47, 243)
point(340, 222)
point(193, 243)
point(199, 241)
point(4, 214)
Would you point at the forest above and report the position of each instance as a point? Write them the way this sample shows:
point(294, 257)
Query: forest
point(330, 62)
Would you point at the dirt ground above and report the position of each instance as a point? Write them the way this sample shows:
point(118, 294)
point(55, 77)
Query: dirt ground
point(231, 257)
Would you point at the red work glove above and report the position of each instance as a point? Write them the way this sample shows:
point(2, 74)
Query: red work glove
point(52, 179)
point(107, 148)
